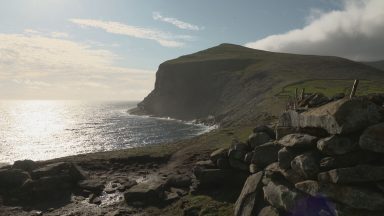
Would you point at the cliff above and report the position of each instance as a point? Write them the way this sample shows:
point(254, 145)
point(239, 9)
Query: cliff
point(239, 85)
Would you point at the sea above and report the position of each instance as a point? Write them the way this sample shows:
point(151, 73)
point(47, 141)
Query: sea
point(46, 129)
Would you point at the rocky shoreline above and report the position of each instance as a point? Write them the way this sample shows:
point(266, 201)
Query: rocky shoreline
point(322, 160)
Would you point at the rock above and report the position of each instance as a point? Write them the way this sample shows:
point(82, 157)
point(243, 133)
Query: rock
point(318, 100)
point(178, 181)
point(285, 156)
point(12, 178)
point(282, 131)
point(275, 171)
point(269, 211)
point(170, 197)
point(266, 154)
point(283, 197)
point(360, 173)
point(239, 146)
point(372, 138)
point(337, 96)
point(349, 159)
point(354, 197)
point(248, 157)
point(207, 164)
point(73, 171)
point(126, 185)
point(237, 164)
point(223, 163)
point(26, 165)
point(219, 153)
point(93, 185)
point(248, 202)
point(48, 188)
point(212, 178)
point(94, 199)
point(236, 154)
point(257, 139)
point(336, 145)
point(344, 116)
point(150, 192)
point(265, 129)
point(306, 164)
point(298, 141)
point(253, 168)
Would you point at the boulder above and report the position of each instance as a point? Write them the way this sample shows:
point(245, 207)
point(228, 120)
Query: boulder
point(178, 181)
point(213, 178)
point(236, 154)
point(336, 145)
point(352, 196)
point(275, 171)
point(349, 159)
point(269, 211)
point(248, 157)
point(150, 192)
point(219, 153)
point(283, 197)
point(12, 178)
point(298, 141)
point(360, 173)
point(339, 117)
point(306, 164)
point(207, 164)
point(265, 129)
point(69, 169)
point(237, 164)
point(266, 154)
point(282, 131)
point(248, 203)
point(26, 165)
point(223, 163)
point(285, 156)
point(48, 188)
point(93, 185)
point(337, 96)
point(257, 139)
point(372, 138)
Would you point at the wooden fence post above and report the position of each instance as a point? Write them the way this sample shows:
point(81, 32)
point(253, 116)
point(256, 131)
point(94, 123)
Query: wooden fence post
point(354, 88)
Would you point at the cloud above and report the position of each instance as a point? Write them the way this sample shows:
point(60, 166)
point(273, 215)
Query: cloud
point(176, 22)
point(38, 66)
point(355, 32)
point(59, 34)
point(164, 39)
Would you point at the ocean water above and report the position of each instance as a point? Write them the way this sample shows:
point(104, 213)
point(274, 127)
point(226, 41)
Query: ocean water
point(41, 130)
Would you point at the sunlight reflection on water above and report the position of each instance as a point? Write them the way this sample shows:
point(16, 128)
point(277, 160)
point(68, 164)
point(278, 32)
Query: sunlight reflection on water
point(41, 130)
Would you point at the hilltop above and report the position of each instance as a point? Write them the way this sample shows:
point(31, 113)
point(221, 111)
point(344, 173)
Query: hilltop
point(240, 86)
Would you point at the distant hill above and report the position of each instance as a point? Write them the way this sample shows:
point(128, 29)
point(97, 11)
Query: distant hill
point(376, 64)
point(239, 85)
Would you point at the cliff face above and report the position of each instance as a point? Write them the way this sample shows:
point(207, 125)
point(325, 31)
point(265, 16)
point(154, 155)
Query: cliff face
point(237, 85)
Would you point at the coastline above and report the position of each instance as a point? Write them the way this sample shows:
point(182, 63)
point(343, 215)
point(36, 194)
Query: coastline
point(158, 161)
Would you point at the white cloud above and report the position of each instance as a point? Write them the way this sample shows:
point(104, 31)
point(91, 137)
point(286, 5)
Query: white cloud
point(176, 22)
point(356, 32)
point(36, 66)
point(59, 34)
point(164, 39)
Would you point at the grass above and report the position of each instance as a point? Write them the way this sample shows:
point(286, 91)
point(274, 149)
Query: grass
point(332, 87)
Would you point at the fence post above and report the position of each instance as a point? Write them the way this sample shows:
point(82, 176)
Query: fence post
point(354, 88)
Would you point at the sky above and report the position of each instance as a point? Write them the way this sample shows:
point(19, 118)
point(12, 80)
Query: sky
point(111, 49)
